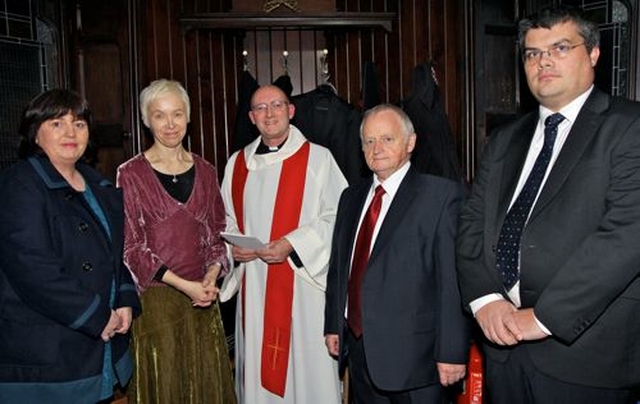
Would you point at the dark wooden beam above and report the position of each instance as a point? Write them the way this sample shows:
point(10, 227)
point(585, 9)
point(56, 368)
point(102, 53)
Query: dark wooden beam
point(242, 21)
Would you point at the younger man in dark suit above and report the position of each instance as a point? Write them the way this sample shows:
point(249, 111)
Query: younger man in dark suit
point(406, 335)
point(548, 252)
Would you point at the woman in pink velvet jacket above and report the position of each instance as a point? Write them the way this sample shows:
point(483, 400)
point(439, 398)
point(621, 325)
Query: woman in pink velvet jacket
point(173, 218)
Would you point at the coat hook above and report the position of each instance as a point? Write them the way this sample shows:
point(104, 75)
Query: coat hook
point(245, 63)
point(324, 66)
point(285, 62)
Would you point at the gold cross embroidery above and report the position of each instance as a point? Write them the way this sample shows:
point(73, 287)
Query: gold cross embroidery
point(276, 349)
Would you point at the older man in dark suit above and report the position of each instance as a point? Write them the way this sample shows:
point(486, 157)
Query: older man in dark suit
point(548, 246)
point(407, 335)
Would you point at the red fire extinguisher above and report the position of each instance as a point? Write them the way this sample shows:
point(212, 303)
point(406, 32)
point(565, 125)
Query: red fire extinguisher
point(473, 382)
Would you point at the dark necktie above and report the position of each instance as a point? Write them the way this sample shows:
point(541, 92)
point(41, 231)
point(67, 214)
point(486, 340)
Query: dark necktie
point(508, 251)
point(359, 264)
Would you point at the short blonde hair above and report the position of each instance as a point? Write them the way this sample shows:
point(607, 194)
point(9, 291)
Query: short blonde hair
point(159, 88)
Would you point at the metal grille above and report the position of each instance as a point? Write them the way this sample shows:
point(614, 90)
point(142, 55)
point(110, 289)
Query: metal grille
point(21, 67)
point(612, 18)
point(19, 83)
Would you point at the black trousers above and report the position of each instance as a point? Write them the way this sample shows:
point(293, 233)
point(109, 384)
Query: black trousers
point(363, 391)
point(518, 381)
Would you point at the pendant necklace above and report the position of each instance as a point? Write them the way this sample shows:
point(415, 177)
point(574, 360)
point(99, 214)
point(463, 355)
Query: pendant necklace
point(175, 179)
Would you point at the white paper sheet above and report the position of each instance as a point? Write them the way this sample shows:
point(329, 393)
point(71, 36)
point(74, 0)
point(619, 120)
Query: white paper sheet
point(243, 241)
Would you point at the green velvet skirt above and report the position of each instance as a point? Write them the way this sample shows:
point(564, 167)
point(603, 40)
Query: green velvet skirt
point(180, 352)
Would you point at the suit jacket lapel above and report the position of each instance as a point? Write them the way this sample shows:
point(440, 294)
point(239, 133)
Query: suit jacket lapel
point(399, 207)
point(354, 211)
point(582, 132)
point(514, 158)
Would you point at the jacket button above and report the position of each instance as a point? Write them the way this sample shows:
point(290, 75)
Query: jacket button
point(87, 267)
point(83, 227)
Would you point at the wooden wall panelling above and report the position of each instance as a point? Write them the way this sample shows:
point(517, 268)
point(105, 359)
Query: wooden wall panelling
point(427, 39)
point(210, 99)
point(100, 61)
point(366, 55)
point(353, 67)
point(175, 40)
point(452, 76)
point(96, 40)
point(233, 47)
point(192, 85)
point(323, 42)
point(155, 40)
point(297, 45)
point(290, 65)
point(406, 46)
point(394, 54)
point(309, 64)
point(210, 62)
point(274, 51)
point(215, 132)
point(435, 44)
point(350, 66)
point(337, 63)
point(380, 56)
point(250, 45)
point(262, 72)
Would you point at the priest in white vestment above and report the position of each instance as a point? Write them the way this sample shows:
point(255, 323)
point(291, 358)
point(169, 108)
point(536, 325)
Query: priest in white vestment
point(283, 190)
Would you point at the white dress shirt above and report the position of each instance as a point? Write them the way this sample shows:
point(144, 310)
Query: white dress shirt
point(390, 187)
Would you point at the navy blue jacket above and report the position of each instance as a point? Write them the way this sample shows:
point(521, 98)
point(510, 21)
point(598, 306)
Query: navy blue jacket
point(58, 269)
point(411, 312)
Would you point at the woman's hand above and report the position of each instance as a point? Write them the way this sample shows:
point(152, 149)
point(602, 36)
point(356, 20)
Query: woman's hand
point(112, 325)
point(211, 277)
point(200, 295)
point(126, 317)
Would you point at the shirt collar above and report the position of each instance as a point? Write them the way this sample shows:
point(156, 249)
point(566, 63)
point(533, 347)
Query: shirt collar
point(569, 111)
point(392, 183)
point(264, 149)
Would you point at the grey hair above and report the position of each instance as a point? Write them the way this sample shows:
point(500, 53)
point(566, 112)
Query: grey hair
point(407, 125)
point(159, 88)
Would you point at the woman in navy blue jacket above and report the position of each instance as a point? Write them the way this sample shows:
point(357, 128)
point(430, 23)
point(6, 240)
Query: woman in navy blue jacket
point(66, 298)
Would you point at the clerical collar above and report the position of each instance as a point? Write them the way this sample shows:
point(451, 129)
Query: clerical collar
point(264, 149)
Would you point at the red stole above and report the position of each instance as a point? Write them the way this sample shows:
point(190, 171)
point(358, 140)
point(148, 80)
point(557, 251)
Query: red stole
point(276, 338)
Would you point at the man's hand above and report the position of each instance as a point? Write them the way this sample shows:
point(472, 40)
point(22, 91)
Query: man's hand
point(451, 373)
point(525, 321)
point(240, 254)
point(333, 344)
point(498, 324)
point(275, 252)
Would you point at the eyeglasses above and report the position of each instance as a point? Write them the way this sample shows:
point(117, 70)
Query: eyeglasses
point(278, 105)
point(557, 51)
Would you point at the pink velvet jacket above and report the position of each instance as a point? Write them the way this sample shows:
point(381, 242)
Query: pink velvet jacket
point(160, 230)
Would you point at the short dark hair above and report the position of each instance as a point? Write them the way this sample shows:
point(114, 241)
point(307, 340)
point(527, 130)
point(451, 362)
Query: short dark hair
point(551, 16)
point(50, 104)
